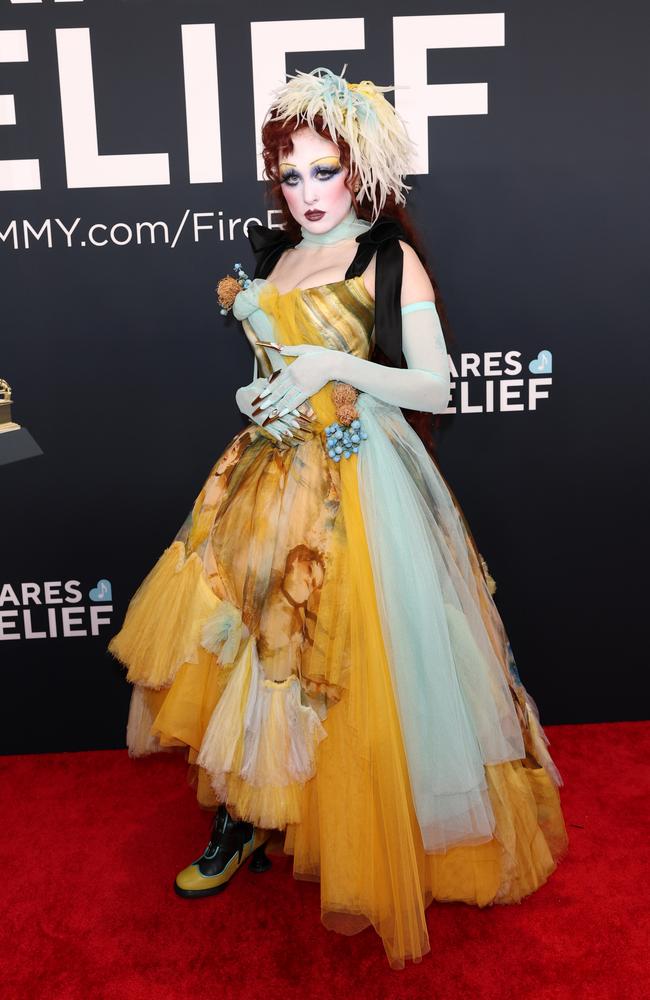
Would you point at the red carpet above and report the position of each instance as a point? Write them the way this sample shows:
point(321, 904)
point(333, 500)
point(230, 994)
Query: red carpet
point(91, 842)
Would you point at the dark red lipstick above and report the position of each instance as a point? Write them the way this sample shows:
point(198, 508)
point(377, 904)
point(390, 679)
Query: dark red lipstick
point(314, 214)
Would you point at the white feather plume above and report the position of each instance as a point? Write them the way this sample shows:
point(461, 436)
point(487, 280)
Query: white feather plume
point(381, 150)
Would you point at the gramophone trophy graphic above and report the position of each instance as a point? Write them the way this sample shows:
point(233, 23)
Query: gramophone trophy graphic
point(6, 423)
point(16, 442)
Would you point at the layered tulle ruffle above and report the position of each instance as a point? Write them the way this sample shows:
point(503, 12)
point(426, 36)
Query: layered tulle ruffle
point(261, 738)
point(452, 694)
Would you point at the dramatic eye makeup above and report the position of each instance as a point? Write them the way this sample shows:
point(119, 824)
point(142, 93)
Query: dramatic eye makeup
point(322, 169)
point(289, 176)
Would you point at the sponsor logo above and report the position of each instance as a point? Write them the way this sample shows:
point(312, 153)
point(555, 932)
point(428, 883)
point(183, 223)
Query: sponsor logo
point(499, 382)
point(54, 609)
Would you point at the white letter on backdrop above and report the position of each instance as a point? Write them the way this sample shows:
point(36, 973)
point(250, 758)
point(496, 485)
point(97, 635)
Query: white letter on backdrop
point(202, 103)
point(418, 100)
point(15, 175)
point(85, 167)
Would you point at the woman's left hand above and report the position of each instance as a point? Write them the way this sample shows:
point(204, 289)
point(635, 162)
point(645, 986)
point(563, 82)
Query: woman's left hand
point(312, 369)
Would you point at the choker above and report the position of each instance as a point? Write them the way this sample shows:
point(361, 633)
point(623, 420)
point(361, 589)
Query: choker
point(348, 228)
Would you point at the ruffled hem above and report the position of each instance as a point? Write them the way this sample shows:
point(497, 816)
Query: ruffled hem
point(140, 739)
point(269, 807)
point(529, 842)
point(163, 624)
point(260, 745)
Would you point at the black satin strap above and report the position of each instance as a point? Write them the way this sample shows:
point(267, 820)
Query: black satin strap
point(268, 246)
point(383, 239)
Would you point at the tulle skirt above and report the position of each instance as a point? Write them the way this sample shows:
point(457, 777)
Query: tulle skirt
point(321, 639)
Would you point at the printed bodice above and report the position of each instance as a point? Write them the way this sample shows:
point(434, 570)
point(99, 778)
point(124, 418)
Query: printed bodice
point(338, 315)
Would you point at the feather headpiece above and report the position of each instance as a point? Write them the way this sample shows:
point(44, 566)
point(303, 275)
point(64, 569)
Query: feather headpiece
point(380, 147)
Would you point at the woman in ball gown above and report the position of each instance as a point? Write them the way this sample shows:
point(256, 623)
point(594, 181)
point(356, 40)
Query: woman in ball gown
point(320, 637)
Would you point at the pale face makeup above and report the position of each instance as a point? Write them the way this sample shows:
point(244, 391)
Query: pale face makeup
point(313, 181)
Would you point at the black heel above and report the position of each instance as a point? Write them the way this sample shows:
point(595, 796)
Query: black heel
point(259, 861)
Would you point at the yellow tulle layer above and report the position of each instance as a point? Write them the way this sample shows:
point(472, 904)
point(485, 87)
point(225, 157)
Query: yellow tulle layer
point(361, 836)
point(163, 627)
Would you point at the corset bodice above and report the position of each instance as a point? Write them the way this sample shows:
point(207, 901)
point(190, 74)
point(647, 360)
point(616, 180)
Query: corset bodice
point(338, 315)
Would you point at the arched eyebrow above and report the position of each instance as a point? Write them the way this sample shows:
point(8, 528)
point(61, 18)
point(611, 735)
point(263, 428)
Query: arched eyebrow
point(332, 156)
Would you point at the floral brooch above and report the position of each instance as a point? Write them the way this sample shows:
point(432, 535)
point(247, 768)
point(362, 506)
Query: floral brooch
point(229, 288)
point(344, 436)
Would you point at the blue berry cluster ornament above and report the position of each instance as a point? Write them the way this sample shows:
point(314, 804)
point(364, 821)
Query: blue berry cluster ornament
point(342, 441)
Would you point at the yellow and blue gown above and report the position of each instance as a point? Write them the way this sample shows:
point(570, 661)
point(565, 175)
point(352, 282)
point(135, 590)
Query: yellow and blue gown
point(321, 639)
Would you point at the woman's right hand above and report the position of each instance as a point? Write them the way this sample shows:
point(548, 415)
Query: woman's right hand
point(291, 429)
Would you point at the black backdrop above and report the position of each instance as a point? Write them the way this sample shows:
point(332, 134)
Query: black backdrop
point(124, 372)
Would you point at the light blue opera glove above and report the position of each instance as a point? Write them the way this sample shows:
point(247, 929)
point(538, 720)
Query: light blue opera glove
point(285, 428)
point(281, 429)
point(424, 385)
point(246, 306)
point(313, 368)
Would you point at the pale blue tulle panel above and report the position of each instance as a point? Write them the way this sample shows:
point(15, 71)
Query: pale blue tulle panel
point(453, 699)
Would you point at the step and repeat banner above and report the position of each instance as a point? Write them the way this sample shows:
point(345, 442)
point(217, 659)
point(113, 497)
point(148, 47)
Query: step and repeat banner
point(129, 171)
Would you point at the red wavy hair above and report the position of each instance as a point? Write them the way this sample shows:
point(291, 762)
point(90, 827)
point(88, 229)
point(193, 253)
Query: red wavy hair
point(277, 143)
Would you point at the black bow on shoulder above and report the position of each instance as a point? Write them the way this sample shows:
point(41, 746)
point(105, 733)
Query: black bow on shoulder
point(268, 246)
point(381, 238)
point(384, 228)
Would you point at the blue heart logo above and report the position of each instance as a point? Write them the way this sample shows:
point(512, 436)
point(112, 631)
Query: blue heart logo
point(102, 592)
point(542, 364)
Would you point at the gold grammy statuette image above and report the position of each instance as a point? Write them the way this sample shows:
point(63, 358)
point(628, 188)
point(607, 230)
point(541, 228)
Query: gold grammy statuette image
point(6, 423)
